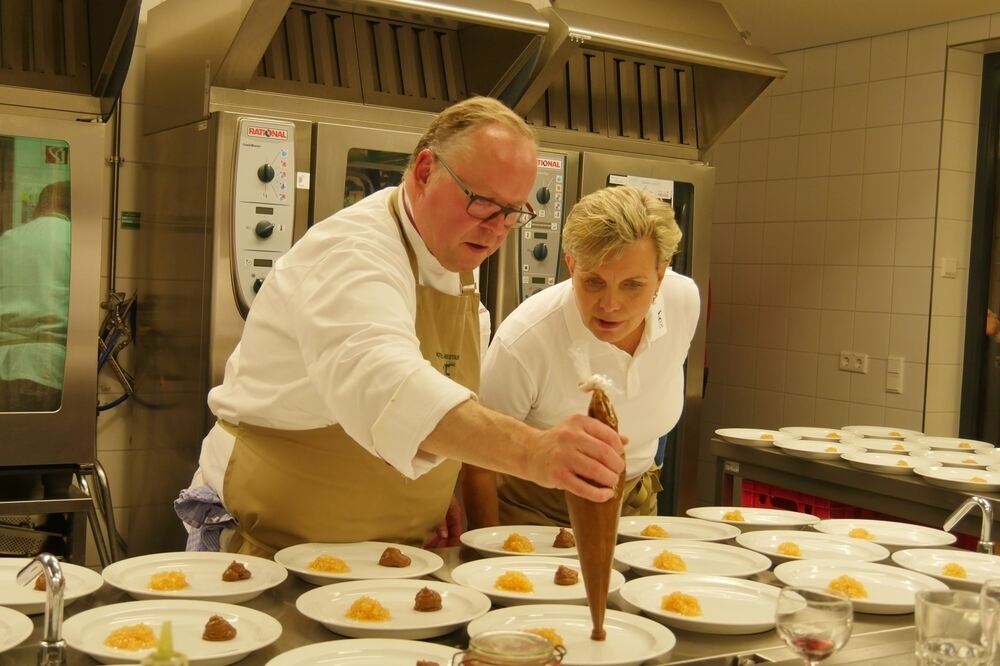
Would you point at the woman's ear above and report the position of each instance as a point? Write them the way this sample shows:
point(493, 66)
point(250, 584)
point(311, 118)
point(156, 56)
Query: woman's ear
point(570, 264)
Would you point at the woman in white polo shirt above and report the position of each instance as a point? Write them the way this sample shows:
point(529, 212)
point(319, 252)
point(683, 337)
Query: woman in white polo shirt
point(623, 314)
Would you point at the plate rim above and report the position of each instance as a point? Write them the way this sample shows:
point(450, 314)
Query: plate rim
point(329, 577)
point(861, 544)
point(289, 657)
point(655, 628)
point(811, 519)
point(890, 522)
point(262, 619)
point(959, 484)
point(908, 552)
point(467, 541)
point(20, 626)
point(475, 596)
point(650, 519)
point(708, 545)
point(18, 563)
point(860, 605)
point(707, 578)
point(117, 568)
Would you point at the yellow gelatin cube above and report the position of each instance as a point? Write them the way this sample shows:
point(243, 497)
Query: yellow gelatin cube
point(168, 581)
point(133, 637)
point(669, 562)
point(898, 447)
point(654, 530)
point(329, 564)
point(978, 479)
point(367, 609)
point(517, 543)
point(902, 463)
point(682, 604)
point(735, 515)
point(955, 570)
point(767, 436)
point(852, 587)
point(964, 445)
point(514, 581)
point(832, 435)
point(548, 634)
point(789, 548)
point(860, 533)
point(895, 433)
point(831, 449)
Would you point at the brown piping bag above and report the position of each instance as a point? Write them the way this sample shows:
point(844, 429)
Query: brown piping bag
point(595, 524)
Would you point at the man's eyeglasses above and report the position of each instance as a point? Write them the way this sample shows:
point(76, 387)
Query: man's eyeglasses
point(485, 209)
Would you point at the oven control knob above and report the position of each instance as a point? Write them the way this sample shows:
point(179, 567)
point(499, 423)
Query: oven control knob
point(540, 251)
point(257, 284)
point(266, 173)
point(543, 195)
point(264, 229)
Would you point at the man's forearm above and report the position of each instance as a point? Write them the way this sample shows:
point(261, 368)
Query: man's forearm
point(479, 436)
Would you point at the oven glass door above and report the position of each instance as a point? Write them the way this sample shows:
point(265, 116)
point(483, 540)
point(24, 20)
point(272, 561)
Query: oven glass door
point(34, 272)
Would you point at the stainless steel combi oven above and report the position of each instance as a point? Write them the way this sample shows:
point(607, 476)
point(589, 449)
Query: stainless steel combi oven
point(327, 99)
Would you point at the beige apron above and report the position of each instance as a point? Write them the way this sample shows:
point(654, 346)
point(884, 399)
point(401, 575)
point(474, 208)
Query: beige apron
point(293, 486)
point(525, 503)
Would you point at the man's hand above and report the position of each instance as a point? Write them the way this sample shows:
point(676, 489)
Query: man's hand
point(581, 455)
point(450, 529)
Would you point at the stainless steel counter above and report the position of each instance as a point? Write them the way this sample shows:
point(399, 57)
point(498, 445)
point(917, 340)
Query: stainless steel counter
point(905, 496)
point(876, 639)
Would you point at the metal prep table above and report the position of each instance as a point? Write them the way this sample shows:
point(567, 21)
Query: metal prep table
point(886, 640)
point(905, 496)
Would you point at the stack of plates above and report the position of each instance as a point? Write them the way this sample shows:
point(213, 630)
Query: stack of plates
point(754, 518)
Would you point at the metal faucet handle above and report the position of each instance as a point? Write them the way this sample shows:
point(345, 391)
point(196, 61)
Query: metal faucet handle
point(985, 541)
point(52, 651)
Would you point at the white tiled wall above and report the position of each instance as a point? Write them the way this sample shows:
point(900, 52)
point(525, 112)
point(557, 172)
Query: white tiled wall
point(841, 193)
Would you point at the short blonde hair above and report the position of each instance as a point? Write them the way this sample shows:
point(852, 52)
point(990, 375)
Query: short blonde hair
point(602, 223)
point(451, 127)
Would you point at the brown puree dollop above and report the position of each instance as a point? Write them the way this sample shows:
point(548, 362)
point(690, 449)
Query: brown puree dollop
point(40, 583)
point(564, 539)
point(566, 576)
point(427, 600)
point(218, 629)
point(236, 571)
point(394, 557)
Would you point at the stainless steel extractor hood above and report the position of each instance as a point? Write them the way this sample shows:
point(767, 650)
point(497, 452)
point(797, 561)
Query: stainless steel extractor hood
point(699, 36)
point(672, 71)
point(66, 55)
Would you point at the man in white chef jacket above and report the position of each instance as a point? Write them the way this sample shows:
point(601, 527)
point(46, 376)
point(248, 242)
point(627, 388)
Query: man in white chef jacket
point(349, 403)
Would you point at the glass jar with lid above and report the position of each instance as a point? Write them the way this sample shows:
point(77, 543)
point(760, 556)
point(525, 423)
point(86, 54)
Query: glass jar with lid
point(509, 648)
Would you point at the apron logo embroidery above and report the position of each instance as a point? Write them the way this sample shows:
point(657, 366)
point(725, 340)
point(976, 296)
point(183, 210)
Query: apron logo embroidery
point(450, 361)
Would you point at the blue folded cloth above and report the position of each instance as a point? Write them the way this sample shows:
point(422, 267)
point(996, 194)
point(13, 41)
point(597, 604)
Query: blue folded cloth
point(202, 511)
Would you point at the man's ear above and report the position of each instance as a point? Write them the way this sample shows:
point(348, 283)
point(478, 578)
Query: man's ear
point(422, 168)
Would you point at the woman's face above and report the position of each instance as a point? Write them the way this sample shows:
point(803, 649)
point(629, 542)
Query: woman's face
point(613, 298)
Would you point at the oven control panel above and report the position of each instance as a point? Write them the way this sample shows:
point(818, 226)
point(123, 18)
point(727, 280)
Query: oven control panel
point(263, 201)
point(540, 240)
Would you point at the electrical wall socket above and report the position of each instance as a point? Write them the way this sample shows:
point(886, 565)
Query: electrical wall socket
point(853, 362)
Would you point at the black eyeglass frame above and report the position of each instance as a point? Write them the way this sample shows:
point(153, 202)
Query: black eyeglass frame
point(502, 209)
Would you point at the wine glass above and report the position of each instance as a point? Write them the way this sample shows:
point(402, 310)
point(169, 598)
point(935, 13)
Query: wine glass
point(814, 622)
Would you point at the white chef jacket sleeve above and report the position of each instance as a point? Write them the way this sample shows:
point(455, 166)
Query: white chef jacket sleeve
point(506, 384)
point(355, 325)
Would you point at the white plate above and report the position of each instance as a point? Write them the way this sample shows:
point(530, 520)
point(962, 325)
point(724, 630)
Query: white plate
point(897, 446)
point(887, 463)
point(362, 558)
point(489, 540)
point(755, 519)
point(961, 479)
point(728, 605)
point(631, 639)
point(366, 652)
point(328, 605)
point(811, 448)
point(819, 434)
point(752, 436)
point(952, 443)
point(814, 546)
point(203, 571)
point(888, 533)
point(87, 630)
point(701, 557)
point(978, 566)
point(890, 589)
point(693, 529)
point(80, 581)
point(14, 628)
point(881, 432)
point(962, 459)
point(482, 574)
